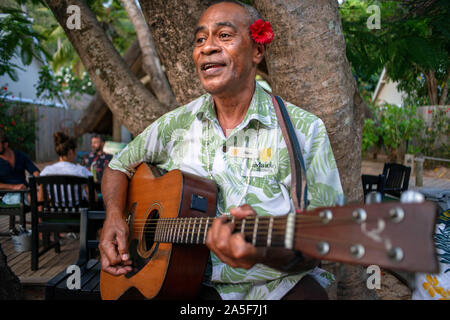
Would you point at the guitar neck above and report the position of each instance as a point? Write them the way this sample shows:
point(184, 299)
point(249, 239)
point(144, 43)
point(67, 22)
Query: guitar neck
point(392, 235)
point(260, 231)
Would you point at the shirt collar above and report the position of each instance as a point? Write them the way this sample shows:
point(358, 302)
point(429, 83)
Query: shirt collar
point(260, 109)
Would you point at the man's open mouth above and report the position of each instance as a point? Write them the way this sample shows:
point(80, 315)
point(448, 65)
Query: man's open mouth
point(211, 65)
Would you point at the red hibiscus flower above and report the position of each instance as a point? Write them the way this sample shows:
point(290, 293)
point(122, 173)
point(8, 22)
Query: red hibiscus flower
point(5, 88)
point(13, 123)
point(430, 111)
point(261, 32)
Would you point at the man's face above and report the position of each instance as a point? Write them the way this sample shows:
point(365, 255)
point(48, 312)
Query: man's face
point(97, 144)
point(225, 57)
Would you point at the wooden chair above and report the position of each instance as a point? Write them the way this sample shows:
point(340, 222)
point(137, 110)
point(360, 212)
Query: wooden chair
point(58, 211)
point(56, 288)
point(13, 210)
point(391, 183)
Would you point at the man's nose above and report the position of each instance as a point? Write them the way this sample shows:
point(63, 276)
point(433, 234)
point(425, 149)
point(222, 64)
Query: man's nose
point(211, 46)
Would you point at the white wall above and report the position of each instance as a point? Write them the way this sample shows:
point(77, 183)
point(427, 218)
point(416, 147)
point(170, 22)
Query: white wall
point(25, 88)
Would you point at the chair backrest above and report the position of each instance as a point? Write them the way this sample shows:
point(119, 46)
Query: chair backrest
point(372, 183)
point(90, 222)
point(397, 178)
point(62, 193)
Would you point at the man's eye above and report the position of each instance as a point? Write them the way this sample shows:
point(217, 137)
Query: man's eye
point(224, 35)
point(199, 40)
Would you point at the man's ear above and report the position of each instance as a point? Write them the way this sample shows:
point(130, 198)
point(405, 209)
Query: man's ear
point(258, 52)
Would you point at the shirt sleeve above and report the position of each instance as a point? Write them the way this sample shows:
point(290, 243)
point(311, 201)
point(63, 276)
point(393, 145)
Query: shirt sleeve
point(324, 184)
point(146, 147)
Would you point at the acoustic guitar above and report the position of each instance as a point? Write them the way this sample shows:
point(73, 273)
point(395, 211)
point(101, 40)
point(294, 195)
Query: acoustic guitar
point(169, 217)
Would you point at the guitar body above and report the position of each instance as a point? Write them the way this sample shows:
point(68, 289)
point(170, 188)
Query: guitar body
point(162, 270)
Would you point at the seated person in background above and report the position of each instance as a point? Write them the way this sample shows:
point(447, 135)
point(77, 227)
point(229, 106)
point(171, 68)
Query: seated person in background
point(65, 147)
point(97, 160)
point(13, 165)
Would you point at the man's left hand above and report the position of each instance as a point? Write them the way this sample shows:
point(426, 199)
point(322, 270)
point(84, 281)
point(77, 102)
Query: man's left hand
point(231, 247)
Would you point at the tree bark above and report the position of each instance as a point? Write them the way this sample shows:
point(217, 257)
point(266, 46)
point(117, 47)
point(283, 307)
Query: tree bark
point(173, 24)
point(125, 95)
point(432, 87)
point(444, 93)
point(308, 66)
point(150, 59)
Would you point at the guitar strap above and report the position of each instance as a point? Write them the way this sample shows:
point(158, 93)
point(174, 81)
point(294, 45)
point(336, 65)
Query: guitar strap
point(297, 163)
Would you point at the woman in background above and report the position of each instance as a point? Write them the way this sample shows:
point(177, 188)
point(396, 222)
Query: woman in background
point(65, 147)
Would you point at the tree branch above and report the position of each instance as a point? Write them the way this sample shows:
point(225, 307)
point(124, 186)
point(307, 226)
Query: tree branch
point(150, 59)
point(113, 79)
point(444, 90)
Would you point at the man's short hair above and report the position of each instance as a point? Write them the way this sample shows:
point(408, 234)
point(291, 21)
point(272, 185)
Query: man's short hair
point(251, 11)
point(99, 136)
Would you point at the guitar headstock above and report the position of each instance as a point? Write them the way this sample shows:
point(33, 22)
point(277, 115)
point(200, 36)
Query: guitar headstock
point(392, 235)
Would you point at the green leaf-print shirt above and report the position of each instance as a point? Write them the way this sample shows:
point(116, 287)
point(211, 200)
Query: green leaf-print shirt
point(179, 140)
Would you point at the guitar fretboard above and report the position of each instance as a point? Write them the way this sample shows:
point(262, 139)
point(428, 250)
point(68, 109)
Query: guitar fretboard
point(260, 231)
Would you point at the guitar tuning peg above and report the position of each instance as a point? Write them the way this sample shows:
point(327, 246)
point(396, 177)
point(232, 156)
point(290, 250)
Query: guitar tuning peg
point(373, 197)
point(411, 196)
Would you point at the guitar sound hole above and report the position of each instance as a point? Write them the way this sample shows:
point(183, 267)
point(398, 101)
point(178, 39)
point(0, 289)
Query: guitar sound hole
point(148, 235)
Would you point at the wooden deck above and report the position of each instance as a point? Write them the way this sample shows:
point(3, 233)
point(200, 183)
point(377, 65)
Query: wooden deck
point(50, 264)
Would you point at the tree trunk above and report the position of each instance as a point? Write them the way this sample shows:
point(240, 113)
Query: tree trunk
point(444, 93)
point(150, 59)
point(432, 87)
point(173, 24)
point(125, 95)
point(308, 67)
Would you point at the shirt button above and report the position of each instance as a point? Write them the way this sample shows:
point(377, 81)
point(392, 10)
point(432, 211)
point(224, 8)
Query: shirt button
point(224, 148)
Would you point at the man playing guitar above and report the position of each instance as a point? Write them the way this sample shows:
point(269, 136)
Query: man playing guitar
point(231, 135)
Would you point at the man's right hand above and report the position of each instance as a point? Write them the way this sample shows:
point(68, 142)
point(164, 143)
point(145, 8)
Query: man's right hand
point(113, 246)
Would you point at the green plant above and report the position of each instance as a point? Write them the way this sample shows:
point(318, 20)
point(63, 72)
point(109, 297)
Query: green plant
point(17, 38)
point(433, 139)
point(399, 125)
point(371, 135)
point(393, 128)
point(68, 81)
point(17, 120)
point(47, 86)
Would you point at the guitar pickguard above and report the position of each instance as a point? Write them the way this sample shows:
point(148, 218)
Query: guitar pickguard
point(138, 261)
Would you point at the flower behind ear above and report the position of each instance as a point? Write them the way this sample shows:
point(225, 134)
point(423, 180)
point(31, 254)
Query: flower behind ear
point(261, 31)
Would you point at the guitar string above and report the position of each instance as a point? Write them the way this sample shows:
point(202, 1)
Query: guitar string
point(277, 229)
point(186, 221)
point(279, 221)
point(185, 239)
point(165, 238)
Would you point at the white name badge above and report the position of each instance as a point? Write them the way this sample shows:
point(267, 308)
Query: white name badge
point(242, 152)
